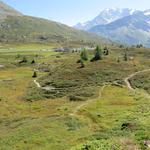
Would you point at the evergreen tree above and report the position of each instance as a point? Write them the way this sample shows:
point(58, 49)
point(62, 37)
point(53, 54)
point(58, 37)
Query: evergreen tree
point(33, 61)
point(84, 55)
point(34, 74)
point(121, 46)
point(139, 45)
point(98, 54)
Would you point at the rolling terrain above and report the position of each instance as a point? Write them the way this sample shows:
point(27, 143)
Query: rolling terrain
point(87, 107)
point(84, 98)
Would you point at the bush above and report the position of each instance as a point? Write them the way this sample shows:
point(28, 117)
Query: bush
point(78, 61)
point(73, 123)
point(24, 60)
point(106, 51)
point(75, 98)
point(107, 144)
point(84, 55)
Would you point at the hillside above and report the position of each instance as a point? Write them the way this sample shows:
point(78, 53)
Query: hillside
point(6, 10)
point(15, 27)
point(31, 29)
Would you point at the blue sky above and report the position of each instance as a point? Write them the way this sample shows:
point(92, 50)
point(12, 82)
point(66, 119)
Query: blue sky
point(72, 11)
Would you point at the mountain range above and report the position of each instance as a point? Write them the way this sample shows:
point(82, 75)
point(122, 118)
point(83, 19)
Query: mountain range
point(16, 27)
point(127, 26)
point(106, 16)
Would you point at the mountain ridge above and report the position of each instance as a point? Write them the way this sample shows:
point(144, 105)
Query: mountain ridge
point(6, 10)
point(127, 26)
point(16, 27)
point(133, 29)
point(106, 16)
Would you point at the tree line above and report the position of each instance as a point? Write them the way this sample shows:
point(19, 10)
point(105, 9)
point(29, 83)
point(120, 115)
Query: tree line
point(98, 55)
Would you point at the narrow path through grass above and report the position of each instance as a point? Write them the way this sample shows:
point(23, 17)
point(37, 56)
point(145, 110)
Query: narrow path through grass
point(75, 111)
point(127, 79)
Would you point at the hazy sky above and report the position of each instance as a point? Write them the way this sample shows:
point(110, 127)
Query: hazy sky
point(72, 11)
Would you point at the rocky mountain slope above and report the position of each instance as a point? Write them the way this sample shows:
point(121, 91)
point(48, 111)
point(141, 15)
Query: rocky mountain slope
point(133, 29)
point(106, 16)
point(6, 10)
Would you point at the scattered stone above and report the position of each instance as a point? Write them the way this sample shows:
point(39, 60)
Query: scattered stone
point(48, 88)
point(147, 143)
point(1, 66)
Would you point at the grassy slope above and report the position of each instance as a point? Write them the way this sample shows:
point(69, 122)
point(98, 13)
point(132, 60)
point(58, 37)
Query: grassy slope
point(7, 10)
point(110, 112)
point(46, 124)
point(15, 27)
point(142, 81)
point(70, 80)
point(31, 29)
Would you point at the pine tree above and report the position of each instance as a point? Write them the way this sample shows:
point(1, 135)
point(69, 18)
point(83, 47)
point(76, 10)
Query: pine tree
point(139, 45)
point(98, 54)
point(84, 55)
point(34, 74)
point(33, 61)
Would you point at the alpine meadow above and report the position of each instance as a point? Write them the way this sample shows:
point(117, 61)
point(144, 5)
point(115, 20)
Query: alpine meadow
point(74, 86)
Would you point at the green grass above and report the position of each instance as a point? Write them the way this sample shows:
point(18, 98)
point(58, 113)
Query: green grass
point(31, 118)
point(142, 81)
point(118, 106)
point(72, 81)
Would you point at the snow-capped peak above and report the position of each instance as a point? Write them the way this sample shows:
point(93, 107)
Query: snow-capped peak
point(111, 9)
point(132, 11)
point(107, 16)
